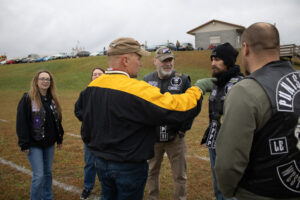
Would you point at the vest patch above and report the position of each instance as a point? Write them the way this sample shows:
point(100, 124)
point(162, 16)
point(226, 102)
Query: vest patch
point(163, 135)
point(153, 83)
point(278, 146)
point(289, 175)
point(212, 135)
point(176, 83)
point(286, 90)
point(297, 133)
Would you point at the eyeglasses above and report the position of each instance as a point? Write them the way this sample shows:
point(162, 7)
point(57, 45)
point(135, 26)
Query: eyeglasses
point(45, 79)
point(166, 50)
point(97, 74)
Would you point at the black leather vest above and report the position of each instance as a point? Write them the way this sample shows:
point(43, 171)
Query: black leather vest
point(274, 165)
point(216, 103)
point(175, 84)
point(39, 118)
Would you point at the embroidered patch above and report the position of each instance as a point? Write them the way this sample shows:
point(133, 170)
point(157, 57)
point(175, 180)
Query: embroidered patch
point(297, 133)
point(278, 146)
point(163, 135)
point(175, 83)
point(287, 88)
point(289, 175)
point(228, 87)
point(36, 121)
point(212, 135)
point(153, 83)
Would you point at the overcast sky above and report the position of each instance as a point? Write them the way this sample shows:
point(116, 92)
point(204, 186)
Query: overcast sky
point(52, 26)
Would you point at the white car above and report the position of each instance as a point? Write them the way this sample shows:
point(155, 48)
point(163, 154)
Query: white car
point(95, 54)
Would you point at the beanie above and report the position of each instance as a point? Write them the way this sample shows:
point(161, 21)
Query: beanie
point(226, 53)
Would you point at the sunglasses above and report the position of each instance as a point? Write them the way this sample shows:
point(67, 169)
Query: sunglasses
point(165, 50)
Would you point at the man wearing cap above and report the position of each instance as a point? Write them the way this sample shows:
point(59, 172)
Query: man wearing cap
point(227, 74)
point(131, 109)
point(170, 137)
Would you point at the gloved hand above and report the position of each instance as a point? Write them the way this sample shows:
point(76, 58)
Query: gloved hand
point(205, 84)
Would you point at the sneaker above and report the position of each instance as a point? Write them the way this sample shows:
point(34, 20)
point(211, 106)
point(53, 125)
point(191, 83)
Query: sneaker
point(85, 194)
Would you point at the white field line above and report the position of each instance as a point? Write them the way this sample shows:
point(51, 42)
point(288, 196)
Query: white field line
point(193, 156)
point(73, 135)
point(3, 120)
point(199, 157)
point(63, 186)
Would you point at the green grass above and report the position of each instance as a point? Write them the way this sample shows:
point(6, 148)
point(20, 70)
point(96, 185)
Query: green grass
point(72, 76)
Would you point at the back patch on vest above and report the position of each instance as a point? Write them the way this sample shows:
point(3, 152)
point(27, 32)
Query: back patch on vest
point(278, 146)
point(289, 175)
point(287, 88)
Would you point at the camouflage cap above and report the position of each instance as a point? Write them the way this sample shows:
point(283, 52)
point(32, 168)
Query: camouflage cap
point(163, 53)
point(124, 45)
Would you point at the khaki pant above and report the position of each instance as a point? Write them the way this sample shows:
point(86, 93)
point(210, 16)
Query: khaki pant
point(176, 153)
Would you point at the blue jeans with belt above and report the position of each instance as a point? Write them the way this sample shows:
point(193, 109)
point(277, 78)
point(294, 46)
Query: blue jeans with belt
point(89, 169)
point(41, 160)
point(122, 180)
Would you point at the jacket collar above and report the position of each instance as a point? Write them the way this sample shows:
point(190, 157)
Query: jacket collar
point(115, 71)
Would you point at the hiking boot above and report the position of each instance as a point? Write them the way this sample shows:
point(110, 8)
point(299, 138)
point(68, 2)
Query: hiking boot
point(85, 194)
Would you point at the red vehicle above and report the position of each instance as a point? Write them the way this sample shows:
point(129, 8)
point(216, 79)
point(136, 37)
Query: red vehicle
point(10, 62)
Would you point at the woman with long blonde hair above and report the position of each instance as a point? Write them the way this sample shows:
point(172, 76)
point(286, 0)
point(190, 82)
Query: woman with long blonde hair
point(39, 128)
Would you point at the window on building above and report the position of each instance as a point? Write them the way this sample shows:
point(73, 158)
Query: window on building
point(238, 40)
point(215, 40)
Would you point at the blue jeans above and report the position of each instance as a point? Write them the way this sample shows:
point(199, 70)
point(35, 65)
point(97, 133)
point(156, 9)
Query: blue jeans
point(212, 156)
point(41, 160)
point(89, 169)
point(122, 181)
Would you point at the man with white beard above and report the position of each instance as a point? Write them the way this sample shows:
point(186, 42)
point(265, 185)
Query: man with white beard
point(170, 138)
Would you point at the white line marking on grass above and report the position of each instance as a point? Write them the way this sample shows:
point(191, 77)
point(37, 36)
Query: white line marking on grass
point(199, 157)
point(63, 186)
point(73, 135)
point(3, 120)
point(194, 156)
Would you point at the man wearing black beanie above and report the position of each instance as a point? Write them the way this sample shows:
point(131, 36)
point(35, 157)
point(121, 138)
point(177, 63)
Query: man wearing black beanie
point(226, 74)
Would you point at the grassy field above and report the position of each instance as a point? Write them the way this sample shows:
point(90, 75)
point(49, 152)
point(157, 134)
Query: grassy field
point(71, 77)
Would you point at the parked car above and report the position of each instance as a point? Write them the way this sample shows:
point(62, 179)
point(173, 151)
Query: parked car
point(17, 60)
point(186, 47)
point(170, 45)
point(10, 62)
point(152, 48)
point(82, 54)
point(95, 54)
point(24, 60)
point(47, 58)
point(41, 59)
point(59, 56)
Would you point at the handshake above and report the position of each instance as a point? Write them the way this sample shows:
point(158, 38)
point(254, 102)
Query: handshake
point(205, 84)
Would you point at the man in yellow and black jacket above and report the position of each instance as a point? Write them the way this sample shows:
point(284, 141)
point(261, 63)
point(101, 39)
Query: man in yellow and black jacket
point(120, 114)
